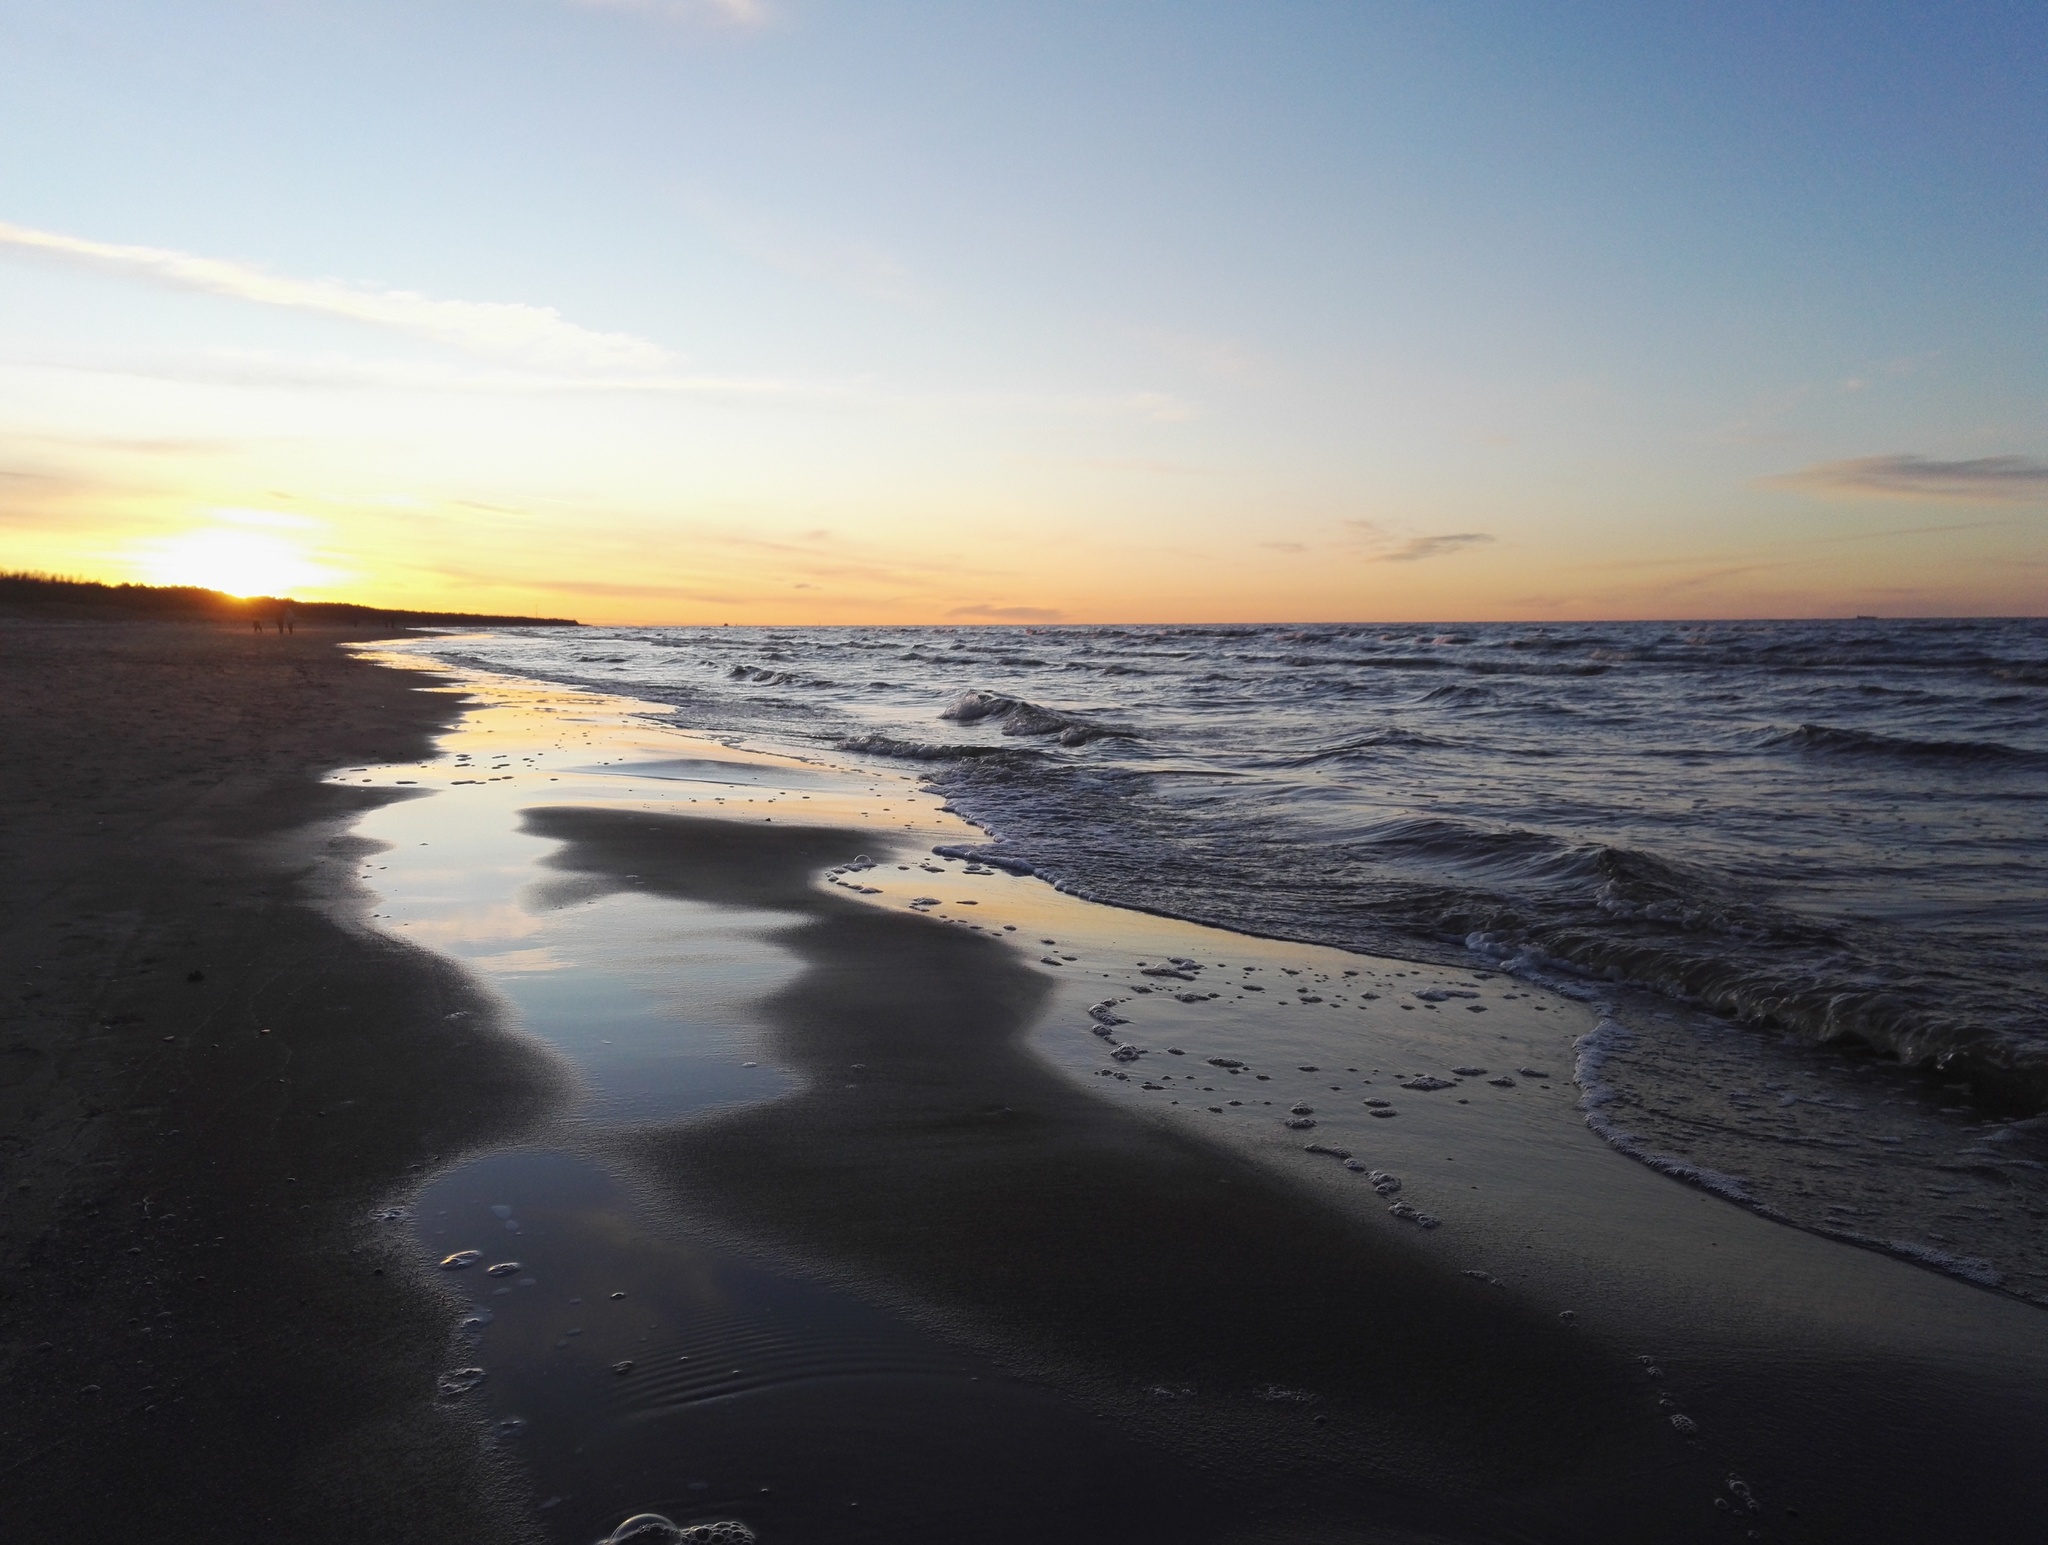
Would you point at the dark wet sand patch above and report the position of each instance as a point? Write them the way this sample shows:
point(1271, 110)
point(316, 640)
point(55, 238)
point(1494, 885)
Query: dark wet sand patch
point(1192, 1292)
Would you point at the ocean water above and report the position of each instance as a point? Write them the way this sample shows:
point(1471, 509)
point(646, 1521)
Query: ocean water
point(1798, 866)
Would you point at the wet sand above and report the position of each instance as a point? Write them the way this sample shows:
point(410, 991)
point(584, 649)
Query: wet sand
point(1247, 1305)
point(932, 1150)
point(819, 1202)
point(206, 1083)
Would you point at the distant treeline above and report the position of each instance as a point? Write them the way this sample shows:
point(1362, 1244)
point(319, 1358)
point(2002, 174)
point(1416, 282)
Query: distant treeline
point(51, 595)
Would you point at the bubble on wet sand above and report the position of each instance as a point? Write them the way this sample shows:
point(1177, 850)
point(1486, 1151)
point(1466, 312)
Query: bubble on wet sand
point(1383, 1111)
point(1503, 1082)
point(508, 1428)
point(1127, 1053)
point(624, 1365)
point(1532, 1072)
point(1684, 1424)
point(1281, 1395)
point(1427, 1083)
point(502, 1269)
point(1334, 1153)
point(653, 1529)
point(461, 1260)
point(1301, 1110)
point(457, 1382)
point(501, 1209)
point(1485, 1276)
point(1300, 1123)
point(1469, 1072)
point(1384, 1183)
point(1225, 1062)
point(1104, 1013)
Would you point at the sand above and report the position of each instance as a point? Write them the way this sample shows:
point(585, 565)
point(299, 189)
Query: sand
point(206, 1084)
point(820, 1202)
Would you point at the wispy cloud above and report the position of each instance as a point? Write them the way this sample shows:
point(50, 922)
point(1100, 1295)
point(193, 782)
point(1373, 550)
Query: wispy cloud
point(1398, 543)
point(986, 613)
point(531, 335)
point(342, 372)
point(745, 14)
point(1990, 479)
point(1418, 548)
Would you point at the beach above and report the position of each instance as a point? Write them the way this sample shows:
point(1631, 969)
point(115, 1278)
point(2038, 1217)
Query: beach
point(576, 1116)
point(209, 1083)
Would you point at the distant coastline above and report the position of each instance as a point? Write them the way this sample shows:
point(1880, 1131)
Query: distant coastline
point(54, 597)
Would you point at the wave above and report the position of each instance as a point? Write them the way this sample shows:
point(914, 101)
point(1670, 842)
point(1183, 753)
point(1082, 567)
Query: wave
point(1020, 716)
point(1829, 740)
point(1460, 692)
point(1365, 746)
point(767, 676)
point(929, 751)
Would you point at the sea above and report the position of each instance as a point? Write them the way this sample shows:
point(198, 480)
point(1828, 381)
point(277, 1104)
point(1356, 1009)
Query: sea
point(1798, 870)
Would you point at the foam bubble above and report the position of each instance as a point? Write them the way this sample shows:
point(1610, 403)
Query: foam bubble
point(653, 1529)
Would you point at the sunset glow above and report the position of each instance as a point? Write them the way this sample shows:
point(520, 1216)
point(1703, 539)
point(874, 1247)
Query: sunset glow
point(866, 313)
point(239, 562)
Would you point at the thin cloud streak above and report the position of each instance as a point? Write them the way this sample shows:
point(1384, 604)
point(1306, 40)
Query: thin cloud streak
point(1421, 547)
point(330, 372)
point(535, 335)
point(1991, 479)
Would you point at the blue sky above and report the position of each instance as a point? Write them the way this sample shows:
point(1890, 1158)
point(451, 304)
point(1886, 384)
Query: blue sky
point(913, 312)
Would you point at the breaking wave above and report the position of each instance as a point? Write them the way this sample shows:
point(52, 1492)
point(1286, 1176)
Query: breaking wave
point(1828, 740)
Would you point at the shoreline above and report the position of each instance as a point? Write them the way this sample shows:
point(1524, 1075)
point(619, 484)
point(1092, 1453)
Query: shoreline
point(984, 1178)
point(201, 1338)
point(1222, 1336)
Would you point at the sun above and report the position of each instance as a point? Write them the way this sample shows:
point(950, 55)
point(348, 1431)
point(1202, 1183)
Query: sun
point(241, 563)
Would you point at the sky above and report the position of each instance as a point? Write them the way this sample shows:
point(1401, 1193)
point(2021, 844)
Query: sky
point(839, 311)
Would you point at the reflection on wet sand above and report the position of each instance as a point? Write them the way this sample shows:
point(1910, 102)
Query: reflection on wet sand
point(811, 1049)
